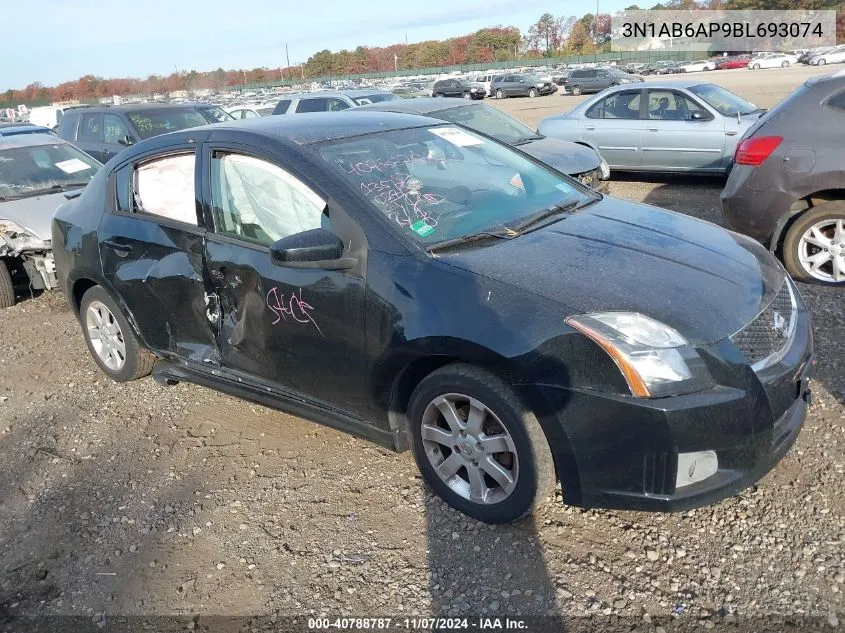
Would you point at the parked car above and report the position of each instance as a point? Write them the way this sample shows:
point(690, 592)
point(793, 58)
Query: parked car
point(421, 285)
point(697, 66)
point(250, 112)
point(35, 172)
point(520, 85)
point(671, 68)
point(410, 92)
point(834, 56)
point(16, 129)
point(560, 76)
point(670, 126)
point(578, 161)
point(775, 60)
point(456, 87)
point(597, 79)
point(105, 131)
point(787, 186)
point(806, 56)
point(485, 80)
point(731, 63)
point(330, 100)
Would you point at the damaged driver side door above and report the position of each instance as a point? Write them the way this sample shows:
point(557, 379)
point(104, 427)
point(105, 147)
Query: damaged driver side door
point(153, 255)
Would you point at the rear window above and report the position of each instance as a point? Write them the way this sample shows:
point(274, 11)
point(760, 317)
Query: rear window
point(151, 122)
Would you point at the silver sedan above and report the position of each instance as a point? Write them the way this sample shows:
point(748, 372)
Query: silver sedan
point(667, 126)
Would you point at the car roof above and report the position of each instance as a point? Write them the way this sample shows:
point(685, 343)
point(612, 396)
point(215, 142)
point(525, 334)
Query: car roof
point(155, 105)
point(830, 80)
point(316, 127)
point(332, 93)
point(16, 124)
point(677, 83)
point(29, 140)
point(422, 105)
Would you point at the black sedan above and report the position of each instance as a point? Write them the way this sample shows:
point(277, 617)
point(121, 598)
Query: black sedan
point(579, 161)
point(421, 285)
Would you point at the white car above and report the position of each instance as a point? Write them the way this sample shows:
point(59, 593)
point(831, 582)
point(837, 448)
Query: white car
point(250, 111)
point(697, 66)
point(836, 56)
point(778, 60)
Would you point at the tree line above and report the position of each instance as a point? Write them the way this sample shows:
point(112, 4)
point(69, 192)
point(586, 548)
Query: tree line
point(550, 36)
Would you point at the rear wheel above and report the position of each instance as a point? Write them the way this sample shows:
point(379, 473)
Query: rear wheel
point(576, 90)
point(7, 288)
point(755, 66)
point(784, 64)
point(532, 92)
point(814, 247)
point(439, 95)
point(500, 94)
point(110, 339)
point(478, 446)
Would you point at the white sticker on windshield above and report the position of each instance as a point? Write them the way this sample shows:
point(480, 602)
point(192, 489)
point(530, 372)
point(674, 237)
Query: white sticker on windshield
point(456, 136)
point(72, 166)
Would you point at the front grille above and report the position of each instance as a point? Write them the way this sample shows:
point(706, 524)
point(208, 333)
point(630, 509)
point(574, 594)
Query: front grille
point(766, 338)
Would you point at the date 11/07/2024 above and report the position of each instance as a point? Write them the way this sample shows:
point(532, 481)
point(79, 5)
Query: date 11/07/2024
point(418, 624)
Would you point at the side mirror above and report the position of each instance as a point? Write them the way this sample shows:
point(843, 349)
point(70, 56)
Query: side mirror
point(125, 140)
point(700, 115)
point(317, 248)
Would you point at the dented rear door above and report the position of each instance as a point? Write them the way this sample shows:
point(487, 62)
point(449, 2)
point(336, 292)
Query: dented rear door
point(153, 255)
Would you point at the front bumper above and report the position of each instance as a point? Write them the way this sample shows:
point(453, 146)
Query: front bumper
point(621, 452)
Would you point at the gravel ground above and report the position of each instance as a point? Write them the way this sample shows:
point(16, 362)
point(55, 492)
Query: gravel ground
point(139, 499)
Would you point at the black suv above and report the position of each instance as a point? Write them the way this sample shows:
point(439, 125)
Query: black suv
point(103, 131)
point(597, 79)
point(457, 88)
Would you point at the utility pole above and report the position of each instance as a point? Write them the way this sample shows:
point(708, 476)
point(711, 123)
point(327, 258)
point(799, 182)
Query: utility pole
point(287, 55)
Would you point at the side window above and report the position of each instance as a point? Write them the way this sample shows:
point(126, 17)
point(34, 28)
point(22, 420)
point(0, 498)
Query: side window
point(91, 129)
point(336, 105)
point(114, 128)
point(837, 102)
point(602, 73)
point(68, 126)
point(621, 105)
point(165, 187)
point(248, 114)
point(317, 104)
point(259, 202)
point(668, 105)
point(282, 107)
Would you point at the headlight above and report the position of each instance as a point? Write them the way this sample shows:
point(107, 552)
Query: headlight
point(540, 85)
point(654, 358)
point(473, 89)
point(19, 237)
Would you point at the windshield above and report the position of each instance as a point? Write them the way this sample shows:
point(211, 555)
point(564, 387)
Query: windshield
point(37, 169)
point(373, 98)
point(442, 183)
point(213, 114)
point(490, 121)
point(724, 101)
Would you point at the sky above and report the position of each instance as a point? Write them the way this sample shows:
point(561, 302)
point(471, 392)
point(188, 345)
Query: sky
point(69, 39)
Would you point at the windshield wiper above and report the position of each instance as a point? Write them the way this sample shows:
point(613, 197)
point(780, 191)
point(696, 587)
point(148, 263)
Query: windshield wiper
point(474, 237)
point(531, 220)
point(57, 188)
point(528, 139)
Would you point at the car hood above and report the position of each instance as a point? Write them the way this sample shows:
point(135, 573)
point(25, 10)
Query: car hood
point(700, 279)
point(34, 214)
point(569, 158)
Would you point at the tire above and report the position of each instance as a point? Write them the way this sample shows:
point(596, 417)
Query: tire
point(755, 66)
point(576, 90)
point(785, 64)
point(439, 95)
point(532, 92)
point(821, 62)
point(500, 94)
point(137, 361)
point(7, 288)
point(467, 95)
point(506, 418)
point(824, 217)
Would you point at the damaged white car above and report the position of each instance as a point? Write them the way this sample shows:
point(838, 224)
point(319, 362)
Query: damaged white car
point(36, 170)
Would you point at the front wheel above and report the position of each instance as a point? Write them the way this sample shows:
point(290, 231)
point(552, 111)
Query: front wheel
point(821, 62)
point(478, 446)
point(814, 247)
point(439, 95)
point(467, 95)
point(110, 339)
point(500, 94)
point(532, 92)
point(7, 288)
point(755, 67)
point(785, 64)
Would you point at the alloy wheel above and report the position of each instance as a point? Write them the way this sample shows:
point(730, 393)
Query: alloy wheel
point(105, 336)
point(470, 448)
point(500, 94)
point(821, 250)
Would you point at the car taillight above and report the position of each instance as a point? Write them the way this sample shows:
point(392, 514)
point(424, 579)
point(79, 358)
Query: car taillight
point(753, 151)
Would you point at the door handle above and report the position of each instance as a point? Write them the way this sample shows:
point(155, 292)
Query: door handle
point(731, 133)
point(652, 129)
point(589, 127)
point(119, 247)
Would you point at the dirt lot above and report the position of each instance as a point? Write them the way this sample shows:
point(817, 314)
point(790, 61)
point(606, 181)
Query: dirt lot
point(142, 499)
